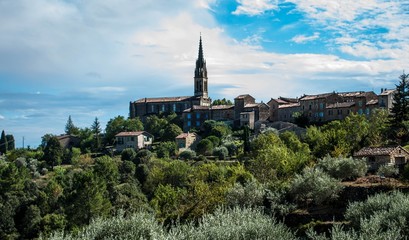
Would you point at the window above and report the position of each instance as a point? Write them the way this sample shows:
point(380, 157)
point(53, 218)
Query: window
point(360, 111)
point(189, 123)
point(163, 108)
point(174, 107)
point(152, 108)
point(321, 114)
point(360, 103)
point(132, 138)
point(368, 111)
point(197, 115)
point(310, 107)
point(197, 123)
point(321, 105)
point(189, 116)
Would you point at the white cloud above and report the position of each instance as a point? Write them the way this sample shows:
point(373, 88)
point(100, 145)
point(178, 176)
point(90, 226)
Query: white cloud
point(381, 22)
point(304, 38)
point(2, 117)
point(255, 7)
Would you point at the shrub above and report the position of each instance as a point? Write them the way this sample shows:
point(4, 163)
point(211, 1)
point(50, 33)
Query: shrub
point(343, 168)
point(236, 223)
point(387, 171)
point(128, 154)
point(315, 186)
point(187, 155)
point(221, 152)
point(142, 156)
point(249, 194)
point(141, 225)
point(231, 147)
point(384, 212)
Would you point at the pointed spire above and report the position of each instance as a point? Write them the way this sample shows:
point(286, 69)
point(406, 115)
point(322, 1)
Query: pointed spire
point(200, 49)
point(200, 70)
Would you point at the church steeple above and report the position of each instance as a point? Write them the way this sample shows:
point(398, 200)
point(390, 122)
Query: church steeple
point(201, 74)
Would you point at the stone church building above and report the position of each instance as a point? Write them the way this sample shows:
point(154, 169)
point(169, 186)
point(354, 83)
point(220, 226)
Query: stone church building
point(144, 107)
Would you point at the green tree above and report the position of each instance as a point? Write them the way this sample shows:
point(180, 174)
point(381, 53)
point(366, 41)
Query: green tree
point(10, 142)
point(400, 107)
point(171, 132)
point(128, 154)
point(215, 140)
point(156, 126)
point(120, 124)
point(3, 143)
point(166, 149)
point(53, 152)
point(86, 199)
point(70, 128)
point(96, 130)
point(204, 147)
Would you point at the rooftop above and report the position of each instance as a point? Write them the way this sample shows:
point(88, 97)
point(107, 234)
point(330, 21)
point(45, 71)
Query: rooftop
point(163, 99)
point(375, 151)
point(130, 134)
point(340, 105)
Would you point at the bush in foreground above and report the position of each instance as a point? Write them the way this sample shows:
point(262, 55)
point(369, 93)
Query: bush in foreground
point(237, 223)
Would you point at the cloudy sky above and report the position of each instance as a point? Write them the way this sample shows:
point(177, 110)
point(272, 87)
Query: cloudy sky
point(91, 58)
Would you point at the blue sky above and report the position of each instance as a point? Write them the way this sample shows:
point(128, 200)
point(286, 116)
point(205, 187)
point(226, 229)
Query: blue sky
point(91, 58)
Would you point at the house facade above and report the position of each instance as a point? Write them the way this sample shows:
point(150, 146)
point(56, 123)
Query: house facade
point(187, 141)
point(329, 106)
point(135, 140)
point(378, 156)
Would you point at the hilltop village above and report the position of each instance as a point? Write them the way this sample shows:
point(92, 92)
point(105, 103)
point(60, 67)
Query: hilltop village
point(318, 109)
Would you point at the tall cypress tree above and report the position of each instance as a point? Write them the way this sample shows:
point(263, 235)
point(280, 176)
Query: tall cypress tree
point(10, 142)
point(96, 130)
point(400, 107)
point(70, 128)
point(3, 143)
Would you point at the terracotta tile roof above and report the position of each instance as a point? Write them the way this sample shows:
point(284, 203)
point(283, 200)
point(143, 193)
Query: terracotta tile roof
point(318, 96)
point(185, 135)
point(243, 96)
point(130, 134)
point(375, 151)
point(289, 105)
point(290, 100)
point(222, 107)
point(280, 101)
point(164, 99)
point(340, 105)
point(350, 94)
point(387, 92)
point(372, 102)
point(252, 105)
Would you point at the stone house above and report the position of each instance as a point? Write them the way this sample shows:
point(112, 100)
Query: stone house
point(135, 140)
point(185, 141)
point(385, 98)
point(280, 102)
point(378, 156)
point(69, 141)
point(313, 106)
point(195, 116)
